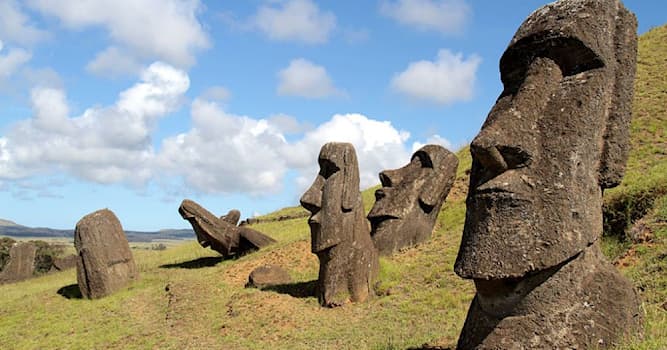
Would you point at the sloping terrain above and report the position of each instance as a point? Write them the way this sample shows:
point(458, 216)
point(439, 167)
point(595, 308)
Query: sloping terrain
point(188, 298)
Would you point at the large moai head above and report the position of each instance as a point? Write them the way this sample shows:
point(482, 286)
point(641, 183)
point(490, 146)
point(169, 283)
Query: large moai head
point(410, 199)
point(105, 263)
point(340, 234)
point(334, 198)
point(556, 137)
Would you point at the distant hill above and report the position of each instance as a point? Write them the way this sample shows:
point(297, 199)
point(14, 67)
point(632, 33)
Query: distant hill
point(11, 229)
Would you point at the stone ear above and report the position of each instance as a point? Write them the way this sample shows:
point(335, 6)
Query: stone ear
point(350, 195)
point(617, 132)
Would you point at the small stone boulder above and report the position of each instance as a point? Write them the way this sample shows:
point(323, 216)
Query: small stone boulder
point(105, 262)
point(21, 263)
point(65, 263)
point(268, 275)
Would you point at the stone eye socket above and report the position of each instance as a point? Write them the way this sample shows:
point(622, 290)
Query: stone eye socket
point(515, 157)
point(327, 168)
point(424, 159)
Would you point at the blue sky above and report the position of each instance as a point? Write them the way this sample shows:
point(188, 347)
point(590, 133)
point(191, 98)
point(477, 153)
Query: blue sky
point(135, 105)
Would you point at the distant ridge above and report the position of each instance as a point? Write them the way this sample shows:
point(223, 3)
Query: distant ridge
point(14, 230)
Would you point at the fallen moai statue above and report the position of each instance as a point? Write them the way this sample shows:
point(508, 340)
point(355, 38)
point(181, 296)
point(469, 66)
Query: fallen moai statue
point(340, 235)
point(410, 199)
point(219, 233)
point(21, 263)
point(555, 139)
point(105, 263)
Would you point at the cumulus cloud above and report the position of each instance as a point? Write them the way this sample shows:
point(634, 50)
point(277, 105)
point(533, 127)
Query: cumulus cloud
point(377, 143)
point(15, 26)
point(12, 61)
point(294, 20)
point(450, 78)
point(113, 62)
point(166, 30)
point(433, 140)
point(219, 93)
point(105, 144)
point(444, 16)
point(306, 79)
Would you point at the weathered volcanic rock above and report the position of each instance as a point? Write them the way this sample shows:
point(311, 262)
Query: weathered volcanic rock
point(268, 275)
point(340, 234)
point(65, 263)
point(21, 263)
point(105, 262)
point(410, 199)
point(556, 137)
point(232, 217)
point(222, 236)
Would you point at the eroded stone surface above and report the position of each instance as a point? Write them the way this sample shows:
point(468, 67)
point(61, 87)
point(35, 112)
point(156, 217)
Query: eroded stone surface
point(232, 217)
point(64, 263)
point(556, 137)
point(340, 234)
point(410, 199)
point(268, 275)
point(219, 234)
point(21, 263)
point(105, 263)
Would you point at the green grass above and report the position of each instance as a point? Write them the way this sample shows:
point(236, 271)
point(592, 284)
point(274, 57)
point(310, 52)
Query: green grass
point(420, 299)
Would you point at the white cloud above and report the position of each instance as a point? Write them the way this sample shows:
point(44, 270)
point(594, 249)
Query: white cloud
point(12, 61)
point(105, 144)
point(113, 62)
point(294, 20)
point(450, 78)
point(166, 30)
point(444, 16)
point(15, 26)
point(433, 140)
point(378, 145)
point(306, 79)
point(226, 153)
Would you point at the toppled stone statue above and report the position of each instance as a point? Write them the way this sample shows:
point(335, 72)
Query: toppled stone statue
point(410, 199)
point(340, 235)
point(220, 234)
point(21, 263)
point(556, 137)
point(105, 262)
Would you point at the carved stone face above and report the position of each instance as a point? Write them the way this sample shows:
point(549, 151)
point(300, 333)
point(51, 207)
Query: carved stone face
point(408, 203)
point(332, 196)
point(551, 143)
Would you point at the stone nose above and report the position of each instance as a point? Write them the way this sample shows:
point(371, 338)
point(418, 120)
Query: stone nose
point(389, 178)
point(312, 198)
point(487, 153)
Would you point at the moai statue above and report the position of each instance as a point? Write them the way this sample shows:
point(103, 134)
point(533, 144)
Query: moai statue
point(221, 234)
point(232, 217)
point(21, 264)
point(555, 139)
point(105, 262)
point(410, 199)
point(340, 234)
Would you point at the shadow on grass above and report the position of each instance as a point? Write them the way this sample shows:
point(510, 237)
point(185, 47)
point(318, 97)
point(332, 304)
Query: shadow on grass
point(195, 264)
point(70, 292)
point(297, 289)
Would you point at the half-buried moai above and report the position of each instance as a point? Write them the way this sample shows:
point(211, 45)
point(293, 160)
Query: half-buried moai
point(410, 199)
point(221, 234)
point(555, 139)
point(21, 263)
point(340, 234)
point(105, 262)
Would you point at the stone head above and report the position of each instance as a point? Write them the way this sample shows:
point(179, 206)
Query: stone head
point(333, 197)
point(408, 203)
point(556, 137)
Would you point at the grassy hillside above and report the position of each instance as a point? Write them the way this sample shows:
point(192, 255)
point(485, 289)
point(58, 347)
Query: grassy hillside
point(188, 298)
